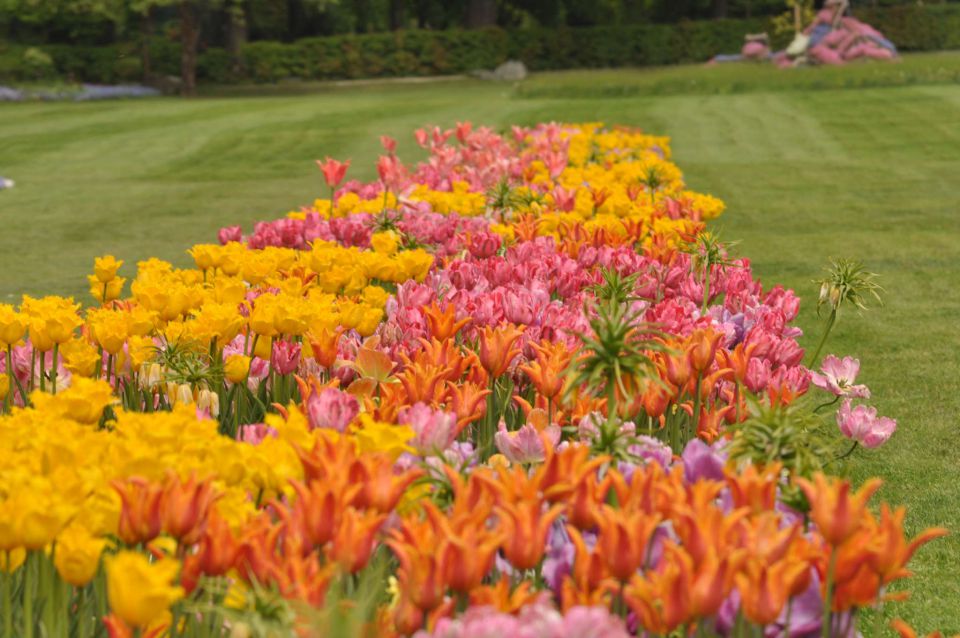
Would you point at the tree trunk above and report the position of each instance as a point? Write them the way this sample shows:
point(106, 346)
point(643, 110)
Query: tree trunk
point(146, 30)
point(720, 8)
point(481, 13)
point(189, 40)
point(236, 36)
point(396, 14)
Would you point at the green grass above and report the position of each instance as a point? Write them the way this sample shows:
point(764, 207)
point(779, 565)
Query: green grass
point(868, 173)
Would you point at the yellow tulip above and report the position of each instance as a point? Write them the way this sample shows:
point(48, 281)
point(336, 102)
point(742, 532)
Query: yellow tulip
point(77, 555)
point(79, 357)
point(141, 592)
point(236, 368)
point(105, 268)
point(13, 325)
point(206, 256)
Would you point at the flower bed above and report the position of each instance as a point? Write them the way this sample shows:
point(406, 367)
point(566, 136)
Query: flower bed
point(519, 388)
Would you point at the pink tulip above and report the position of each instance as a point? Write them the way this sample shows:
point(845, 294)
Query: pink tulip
point(526, 445)
point(333, 171)
point(228, 234)
point(862, 425)
point(332, 409)
point(435, 430)
point(389, 144)
point(838, 377)
point(285, 357)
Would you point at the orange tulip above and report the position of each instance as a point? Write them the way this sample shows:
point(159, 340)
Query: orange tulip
point(184, 507)
point(468, 401)
point(702, 349)
point(319, 506)
point(524, 526)
point(623, 540)
point(140, 510)
point(587, 584)
point(660, 598)
point(324, 343)
point(382, 488)
point(423, 382)
point(502, 598)
point(835, 512)
point(497, 348)
point(546, 372)
point(893, 552)
point(764, 589)
point(354, 538)
point(414, 543)
point(753, 488)
point(218, 547)
point(442, 323)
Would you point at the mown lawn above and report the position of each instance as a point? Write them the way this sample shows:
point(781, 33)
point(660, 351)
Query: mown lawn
point(809, 167)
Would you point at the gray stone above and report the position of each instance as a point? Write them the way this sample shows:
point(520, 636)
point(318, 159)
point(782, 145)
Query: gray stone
point(511, 71)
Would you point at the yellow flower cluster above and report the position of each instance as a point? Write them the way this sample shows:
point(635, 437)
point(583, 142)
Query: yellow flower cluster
point(56, 468)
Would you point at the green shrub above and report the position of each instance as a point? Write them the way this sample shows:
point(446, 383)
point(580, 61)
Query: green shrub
point(911, 28)
point(37, 64)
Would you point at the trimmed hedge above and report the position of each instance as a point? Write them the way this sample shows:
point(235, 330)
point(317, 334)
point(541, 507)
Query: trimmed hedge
point(412, 53)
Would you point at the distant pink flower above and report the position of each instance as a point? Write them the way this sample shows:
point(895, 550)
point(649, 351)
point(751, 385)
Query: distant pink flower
point(332, 409)
point(838, 377)
point(862, 425)
point(333, 171)
point(389, 144)
point(526, 445)
point(434, 430)
point(255, 433)
point(228, 234)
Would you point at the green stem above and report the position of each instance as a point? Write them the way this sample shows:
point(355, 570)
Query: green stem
point(827, 404)
point(53, 369)
point(828, 596)
point(83, 615)
point(28, 597)
point(14, 381)
point(696, 412)
point(7, 595)
point(823, 340)
point(706, 288)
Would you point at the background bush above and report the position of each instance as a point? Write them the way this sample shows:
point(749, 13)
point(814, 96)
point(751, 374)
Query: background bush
point(418, 53)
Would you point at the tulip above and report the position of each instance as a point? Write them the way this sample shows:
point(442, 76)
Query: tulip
point(285, 358)
point(141, 592)
point(13, 325)
point(185, 506)
point(435, 430)
point(497, 349)
point(105, 268)
point(524, 526)
point(442, 323)
point(333, 171)
point(324, 345)
point(623, 539)
point(526, 445)
point(546, 373)
point(78, 555)
point(838, 377)
point(140, 511)
point(236, 367)
point(353, 540)
point(836, 513)
point(332, 409)
point(861, 424)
